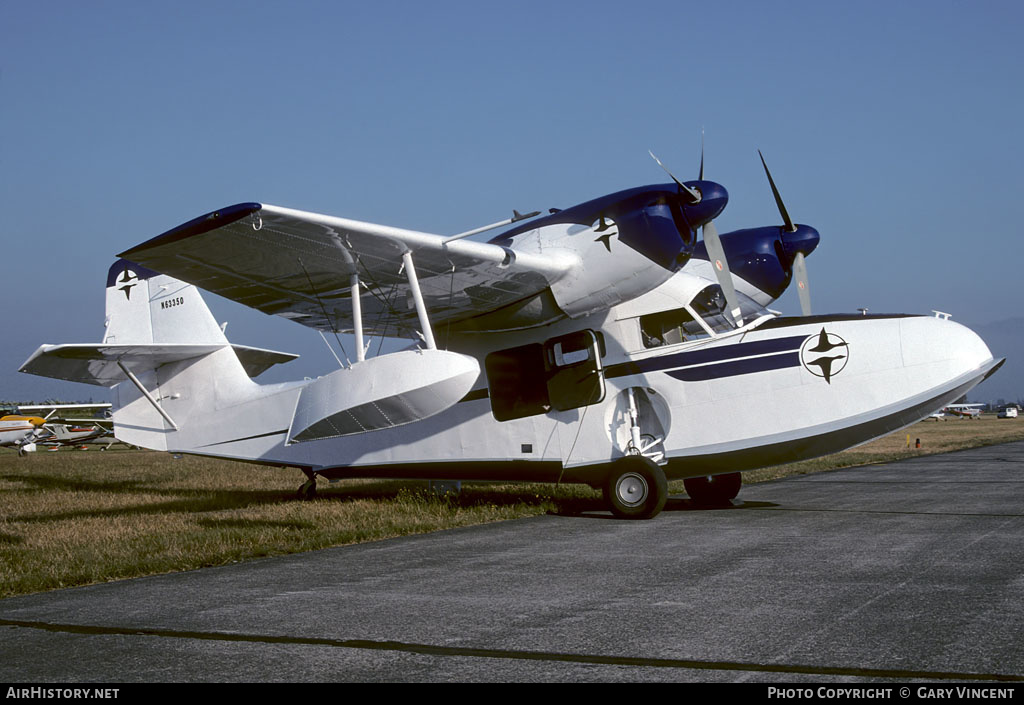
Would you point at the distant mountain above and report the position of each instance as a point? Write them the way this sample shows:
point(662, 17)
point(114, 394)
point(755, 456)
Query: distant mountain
point(1005, 338)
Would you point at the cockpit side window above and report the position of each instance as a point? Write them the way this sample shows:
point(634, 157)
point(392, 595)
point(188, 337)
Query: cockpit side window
point(678, 325)
point(666, 328)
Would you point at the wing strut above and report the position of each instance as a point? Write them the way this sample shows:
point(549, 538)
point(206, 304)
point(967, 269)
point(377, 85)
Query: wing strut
point(417, 297)
point(516, 217)
point(357, 319)
point(145, 393)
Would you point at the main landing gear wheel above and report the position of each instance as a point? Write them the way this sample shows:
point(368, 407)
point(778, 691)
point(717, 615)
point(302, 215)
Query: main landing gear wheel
point(636, 488)
point(307, 491)
point(713, 489)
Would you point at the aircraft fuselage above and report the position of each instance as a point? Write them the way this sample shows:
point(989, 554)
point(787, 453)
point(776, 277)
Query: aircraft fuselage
point(830, 382)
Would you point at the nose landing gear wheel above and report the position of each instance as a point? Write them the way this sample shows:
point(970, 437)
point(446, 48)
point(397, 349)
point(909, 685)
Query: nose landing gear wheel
point(636, 488)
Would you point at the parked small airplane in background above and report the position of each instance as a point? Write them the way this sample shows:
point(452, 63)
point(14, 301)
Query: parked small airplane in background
point(601, 344)
point(964, 411)
point(38, 424)
point(79, 436)
point(77, 432)
point(21, 432)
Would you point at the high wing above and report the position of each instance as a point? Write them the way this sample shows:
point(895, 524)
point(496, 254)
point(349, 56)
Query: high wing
point(300, 265)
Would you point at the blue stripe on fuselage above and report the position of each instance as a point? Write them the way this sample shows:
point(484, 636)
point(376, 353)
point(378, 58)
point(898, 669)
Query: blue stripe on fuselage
point(725, 354)
point(736, 367)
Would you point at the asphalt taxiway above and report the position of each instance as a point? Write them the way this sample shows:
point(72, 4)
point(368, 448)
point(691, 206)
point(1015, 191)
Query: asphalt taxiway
point(905, 571)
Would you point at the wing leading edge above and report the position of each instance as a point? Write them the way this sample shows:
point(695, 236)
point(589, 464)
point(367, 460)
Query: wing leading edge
point(300, 265)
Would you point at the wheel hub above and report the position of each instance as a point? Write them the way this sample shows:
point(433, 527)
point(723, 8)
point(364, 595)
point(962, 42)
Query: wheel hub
point(631, 489)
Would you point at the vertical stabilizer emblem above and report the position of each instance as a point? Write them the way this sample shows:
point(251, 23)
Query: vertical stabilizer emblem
point(126, 281)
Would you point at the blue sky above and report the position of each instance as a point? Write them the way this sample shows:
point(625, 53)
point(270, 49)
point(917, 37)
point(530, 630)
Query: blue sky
point(892, 127)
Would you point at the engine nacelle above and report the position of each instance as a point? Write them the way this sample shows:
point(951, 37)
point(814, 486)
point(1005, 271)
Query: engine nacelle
point(764, 256)
point(627, 243)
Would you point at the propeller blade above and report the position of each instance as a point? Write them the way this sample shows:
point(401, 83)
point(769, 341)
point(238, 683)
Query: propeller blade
point(701, 177)
point(778, 199)
point(720, 264)
point(694, 194)
point(802, 288)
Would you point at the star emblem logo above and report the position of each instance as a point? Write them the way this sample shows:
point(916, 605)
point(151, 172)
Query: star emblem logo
point(825, 355)
point(607, 228)
point(126, 281)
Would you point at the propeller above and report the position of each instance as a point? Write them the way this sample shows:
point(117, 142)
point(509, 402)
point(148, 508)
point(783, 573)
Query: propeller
point(720, 264)
point(800, 274)
point(694, 193)
point(778, 199)
point(799, 263)
point(716, 252)
point(701, 172)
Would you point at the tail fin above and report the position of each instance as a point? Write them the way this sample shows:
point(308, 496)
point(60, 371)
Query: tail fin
point(145, 307)
point(158, 316)
point(169, 362)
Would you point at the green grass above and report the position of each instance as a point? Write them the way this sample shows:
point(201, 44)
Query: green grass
point(79, 517)
point(935, 436)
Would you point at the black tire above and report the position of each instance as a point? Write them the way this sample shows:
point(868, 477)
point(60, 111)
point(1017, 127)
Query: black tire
point(714, 489)
point(307, 492)
point(636, 488)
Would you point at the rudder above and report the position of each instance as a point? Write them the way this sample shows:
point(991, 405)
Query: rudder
point(145, 307)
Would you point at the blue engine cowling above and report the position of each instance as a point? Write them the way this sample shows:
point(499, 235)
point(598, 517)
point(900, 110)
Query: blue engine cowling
point(764, 256)
point(659, 221)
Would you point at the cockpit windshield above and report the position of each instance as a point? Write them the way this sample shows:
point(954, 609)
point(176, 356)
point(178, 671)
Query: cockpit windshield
point(679, 325)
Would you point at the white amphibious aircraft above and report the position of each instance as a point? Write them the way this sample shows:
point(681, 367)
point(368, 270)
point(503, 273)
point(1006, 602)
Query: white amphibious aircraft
point(600, 344)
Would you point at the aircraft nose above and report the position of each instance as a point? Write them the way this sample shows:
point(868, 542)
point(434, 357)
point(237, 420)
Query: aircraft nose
point(943, 349)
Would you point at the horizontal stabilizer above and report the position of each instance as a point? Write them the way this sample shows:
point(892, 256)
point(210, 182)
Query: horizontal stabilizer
point(256, 361)
point(98, 364)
